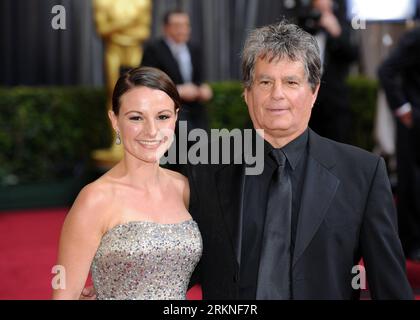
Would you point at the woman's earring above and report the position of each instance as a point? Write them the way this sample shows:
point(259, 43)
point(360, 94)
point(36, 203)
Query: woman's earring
point(118, 138)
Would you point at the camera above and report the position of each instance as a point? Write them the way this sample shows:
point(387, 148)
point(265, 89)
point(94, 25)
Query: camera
point(308, 20)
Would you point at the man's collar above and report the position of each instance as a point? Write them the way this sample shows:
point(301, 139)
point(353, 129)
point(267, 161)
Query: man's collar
point(172, 44)
point(293, 150)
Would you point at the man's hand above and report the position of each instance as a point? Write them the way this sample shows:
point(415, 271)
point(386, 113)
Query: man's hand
point(407, 119)
point(88, 293)
point(188, 92)
point(330, 24)
point(205, 93)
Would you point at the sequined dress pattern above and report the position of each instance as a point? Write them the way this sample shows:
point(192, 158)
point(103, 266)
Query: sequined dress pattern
point(146, 260)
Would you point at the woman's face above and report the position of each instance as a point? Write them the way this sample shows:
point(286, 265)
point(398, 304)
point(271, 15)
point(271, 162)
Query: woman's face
point(146, 123)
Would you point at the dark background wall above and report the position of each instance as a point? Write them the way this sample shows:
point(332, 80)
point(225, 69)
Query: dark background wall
point(33, 53)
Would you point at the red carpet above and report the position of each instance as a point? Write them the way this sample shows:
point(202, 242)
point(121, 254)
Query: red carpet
point(28, 247)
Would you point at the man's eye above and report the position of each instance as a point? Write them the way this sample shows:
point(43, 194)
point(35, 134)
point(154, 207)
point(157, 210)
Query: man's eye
point(292, 83)
point(163, 117)
point(265, 83)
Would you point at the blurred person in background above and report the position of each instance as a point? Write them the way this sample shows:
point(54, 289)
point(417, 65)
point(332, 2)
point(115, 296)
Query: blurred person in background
point(181, 60)
point(399, 75)
point(331, 116)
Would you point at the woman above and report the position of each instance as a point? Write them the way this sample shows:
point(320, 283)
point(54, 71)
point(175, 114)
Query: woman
point(131, 227)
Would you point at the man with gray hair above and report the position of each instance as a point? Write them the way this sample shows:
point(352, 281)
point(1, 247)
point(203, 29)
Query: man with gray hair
point(299, 229)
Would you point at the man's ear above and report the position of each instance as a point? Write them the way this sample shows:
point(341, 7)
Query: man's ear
point(315, 94)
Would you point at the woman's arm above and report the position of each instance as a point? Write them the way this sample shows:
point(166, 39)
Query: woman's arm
point(80, 237)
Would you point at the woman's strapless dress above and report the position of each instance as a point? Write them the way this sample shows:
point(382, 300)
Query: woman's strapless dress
point(146, 260)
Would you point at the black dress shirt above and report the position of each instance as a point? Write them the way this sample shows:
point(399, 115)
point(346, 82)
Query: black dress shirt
point(255, 202)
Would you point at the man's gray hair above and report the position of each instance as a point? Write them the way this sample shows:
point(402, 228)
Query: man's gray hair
point(278, 41)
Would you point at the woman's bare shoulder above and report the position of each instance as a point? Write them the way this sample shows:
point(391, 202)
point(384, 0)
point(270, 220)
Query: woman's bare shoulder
point(95, 194)
point(182, 185)
point(177, 178)
point(92, 203)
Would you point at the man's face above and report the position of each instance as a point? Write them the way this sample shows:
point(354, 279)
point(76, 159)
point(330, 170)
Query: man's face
point(178, 28)
point(280, 99)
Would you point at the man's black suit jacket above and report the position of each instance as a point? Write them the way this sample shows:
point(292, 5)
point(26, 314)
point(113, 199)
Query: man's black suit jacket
point(158, 55)
point(347, 213)
point(399, 75)
point(400, 72)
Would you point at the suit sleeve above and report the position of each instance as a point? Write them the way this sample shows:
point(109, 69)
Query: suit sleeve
point(149, 57)
point(390, 71)
point(196, 60)
point(193, 209)
point(380, 245)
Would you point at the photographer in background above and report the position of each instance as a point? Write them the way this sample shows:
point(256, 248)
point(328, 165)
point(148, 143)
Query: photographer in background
point(331, 115)
point(399, 75)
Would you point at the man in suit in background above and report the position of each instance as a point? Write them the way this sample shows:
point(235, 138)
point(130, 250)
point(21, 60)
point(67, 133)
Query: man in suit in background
point(399, 75)
point(177, 57)
point(299, 229)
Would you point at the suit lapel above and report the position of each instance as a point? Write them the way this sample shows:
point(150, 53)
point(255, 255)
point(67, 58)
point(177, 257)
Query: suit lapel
point(171, 64)
point(230, 186)
point(319, 189)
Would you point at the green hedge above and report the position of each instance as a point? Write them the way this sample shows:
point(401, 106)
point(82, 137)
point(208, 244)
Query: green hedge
point(47, 134)
point(227, 109)
point(363, 96)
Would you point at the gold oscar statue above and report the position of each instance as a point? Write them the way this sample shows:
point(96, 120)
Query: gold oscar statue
point(124, 25)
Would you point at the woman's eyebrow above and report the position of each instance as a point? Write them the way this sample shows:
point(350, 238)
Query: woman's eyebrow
point(133, 111)
point(166, 110)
